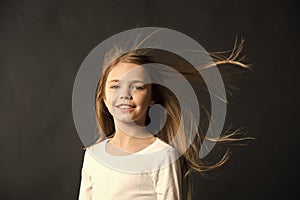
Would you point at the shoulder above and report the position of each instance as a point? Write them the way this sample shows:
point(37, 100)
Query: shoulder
point(91, 151)
point(163, 144)
point(164, 153)
point(158, 145)
point(97, 146)
point(167, 148)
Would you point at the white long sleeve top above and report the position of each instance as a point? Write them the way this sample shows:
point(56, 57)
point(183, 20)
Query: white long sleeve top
point(101, 180)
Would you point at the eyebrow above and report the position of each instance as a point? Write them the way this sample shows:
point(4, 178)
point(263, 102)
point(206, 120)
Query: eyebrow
point(115, 80)
point(134, 81)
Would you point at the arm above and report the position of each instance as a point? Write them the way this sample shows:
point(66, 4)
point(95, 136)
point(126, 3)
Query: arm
point(85, 192)
point(169, 182)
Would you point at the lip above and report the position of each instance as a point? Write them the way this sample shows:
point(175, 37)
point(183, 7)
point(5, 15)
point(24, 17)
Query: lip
point(126, 107)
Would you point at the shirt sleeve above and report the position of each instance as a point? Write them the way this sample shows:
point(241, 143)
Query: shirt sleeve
point(168, 186)
point(86, 187)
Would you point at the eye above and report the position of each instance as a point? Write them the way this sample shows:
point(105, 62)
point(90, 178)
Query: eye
point(137, 87)
point(114, 86)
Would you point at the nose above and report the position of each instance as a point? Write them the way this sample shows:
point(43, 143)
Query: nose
point(126, 95)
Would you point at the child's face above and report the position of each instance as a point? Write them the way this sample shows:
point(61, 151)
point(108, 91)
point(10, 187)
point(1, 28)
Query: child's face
point(127, 96)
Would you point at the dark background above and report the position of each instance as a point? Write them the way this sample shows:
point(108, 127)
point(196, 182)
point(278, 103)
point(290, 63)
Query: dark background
point(43, 43)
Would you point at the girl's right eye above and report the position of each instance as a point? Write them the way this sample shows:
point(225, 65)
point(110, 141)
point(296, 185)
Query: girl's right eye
point(114, 86)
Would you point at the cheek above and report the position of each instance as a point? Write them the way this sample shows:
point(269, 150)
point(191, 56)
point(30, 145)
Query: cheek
point(108, 100)
point(144, 100)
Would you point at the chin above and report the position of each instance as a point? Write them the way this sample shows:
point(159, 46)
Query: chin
point(129, 120)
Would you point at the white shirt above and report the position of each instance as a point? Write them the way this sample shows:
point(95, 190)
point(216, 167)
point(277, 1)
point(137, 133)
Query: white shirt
point(103, 180)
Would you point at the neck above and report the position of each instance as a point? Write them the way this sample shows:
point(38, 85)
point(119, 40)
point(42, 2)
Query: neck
point(130, 133)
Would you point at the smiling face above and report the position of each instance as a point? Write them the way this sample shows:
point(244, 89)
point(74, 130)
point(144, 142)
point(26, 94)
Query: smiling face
point(127, 96)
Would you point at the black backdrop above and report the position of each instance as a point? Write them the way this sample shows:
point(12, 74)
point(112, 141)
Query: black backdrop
point(42, 44)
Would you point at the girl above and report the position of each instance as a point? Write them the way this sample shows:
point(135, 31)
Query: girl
point(125, 94)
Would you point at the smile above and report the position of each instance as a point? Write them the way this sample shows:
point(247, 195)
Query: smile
point(126, 107)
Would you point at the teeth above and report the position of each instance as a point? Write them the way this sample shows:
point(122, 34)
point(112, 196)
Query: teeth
point(124, 106)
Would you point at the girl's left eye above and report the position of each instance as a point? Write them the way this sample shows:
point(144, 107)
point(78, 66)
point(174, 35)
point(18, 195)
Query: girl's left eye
point(137, 87)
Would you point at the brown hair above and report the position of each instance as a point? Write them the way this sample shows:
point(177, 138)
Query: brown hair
point(186, 143)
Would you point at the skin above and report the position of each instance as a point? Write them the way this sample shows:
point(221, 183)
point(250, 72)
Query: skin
point(127, 97)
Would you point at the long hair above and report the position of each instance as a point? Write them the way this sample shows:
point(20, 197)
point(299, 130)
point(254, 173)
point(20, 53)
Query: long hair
point(172, 132)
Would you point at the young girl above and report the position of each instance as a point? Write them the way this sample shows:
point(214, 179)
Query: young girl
point(135, 161)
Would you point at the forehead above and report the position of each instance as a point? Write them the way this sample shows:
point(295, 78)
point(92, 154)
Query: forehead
point(128, 71)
